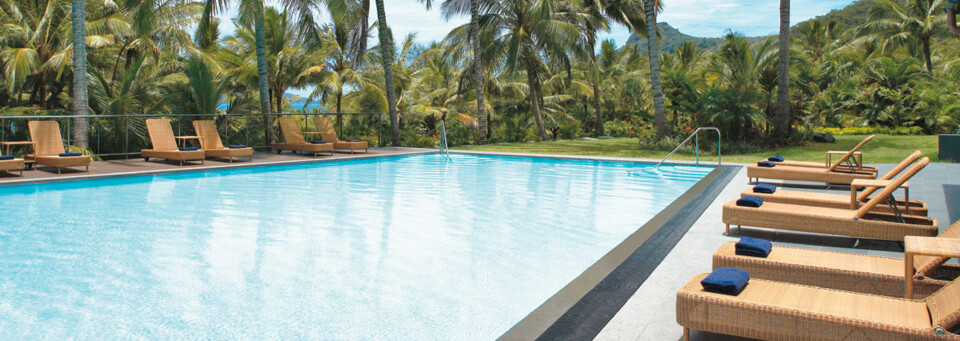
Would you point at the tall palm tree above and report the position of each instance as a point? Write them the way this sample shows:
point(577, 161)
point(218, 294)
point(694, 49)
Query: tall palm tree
point(915, 22)
point(81, 126)
point(530, 35)
point(457, 7)
point(651, 7)
point(387, 51)
point(782, 119)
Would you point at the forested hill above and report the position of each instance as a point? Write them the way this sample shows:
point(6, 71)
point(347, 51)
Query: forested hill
point(853, 15)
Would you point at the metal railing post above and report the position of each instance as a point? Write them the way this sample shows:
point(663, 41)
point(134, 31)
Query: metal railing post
point(69, 135)
point(696, 146)
point(696, 138)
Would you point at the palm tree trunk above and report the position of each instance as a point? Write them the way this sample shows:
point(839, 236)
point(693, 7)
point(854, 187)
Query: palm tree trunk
point(478, 68)
point(339, 101)
point(534, 84)
point(653, 54)
point(926, 55)
point(81, 126)
point(264, 83)
point(596, 103)
point(782, 118)
point(386, 49)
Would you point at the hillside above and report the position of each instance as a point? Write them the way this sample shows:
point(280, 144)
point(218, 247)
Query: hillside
point(852, 15)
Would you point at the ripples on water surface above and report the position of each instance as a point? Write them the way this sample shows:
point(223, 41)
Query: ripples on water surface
point(387, 248)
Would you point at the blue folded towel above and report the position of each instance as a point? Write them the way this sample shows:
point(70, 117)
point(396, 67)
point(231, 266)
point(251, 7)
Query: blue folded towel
point(727, 281)
point(753, 247)
point(71, 154)
point(750, 201)
point(777, 158)
point(237, 146)
point(6, 157)
point(766, 164)
point(318, 142)
point(187, 149)
point(764, 188)
point(354, 140)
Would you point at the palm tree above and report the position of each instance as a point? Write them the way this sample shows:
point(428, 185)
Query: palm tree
point(340, 69)
point(653, 52)
point(526, 32)
point(782, 120)
point(895, 25)
point(387, 51)
point(81, 126)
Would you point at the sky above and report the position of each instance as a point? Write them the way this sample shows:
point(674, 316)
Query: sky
point(697, 18)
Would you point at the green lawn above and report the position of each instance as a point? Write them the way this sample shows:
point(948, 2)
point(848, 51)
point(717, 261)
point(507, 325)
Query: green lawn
point(883, 149)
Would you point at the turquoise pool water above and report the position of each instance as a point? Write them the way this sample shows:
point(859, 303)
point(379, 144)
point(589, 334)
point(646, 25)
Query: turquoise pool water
point(390, 248)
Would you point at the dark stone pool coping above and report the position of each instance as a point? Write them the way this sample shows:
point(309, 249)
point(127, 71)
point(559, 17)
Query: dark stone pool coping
point(584, 306)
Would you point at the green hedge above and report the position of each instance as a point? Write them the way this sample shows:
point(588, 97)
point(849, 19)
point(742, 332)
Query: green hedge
point(871, 130)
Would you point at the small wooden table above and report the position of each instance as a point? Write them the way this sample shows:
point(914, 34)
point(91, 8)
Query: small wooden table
point(185, 138)
point(925, 246)
point(878, 183)
point(28, 163)
point(856, 155)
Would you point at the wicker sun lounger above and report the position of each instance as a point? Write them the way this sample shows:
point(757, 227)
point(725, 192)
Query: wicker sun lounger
point(844, 271)
point(49, 145)
point(293, 139)
point(785, 196)
point(861, 222)
point(823, 165)
point(165, 145)
point(835, 174)
point(14, 165)
point(326, 131)
point(770, 310)
point(212, 145)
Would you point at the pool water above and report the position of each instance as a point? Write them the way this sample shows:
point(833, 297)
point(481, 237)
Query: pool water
point(410, 247)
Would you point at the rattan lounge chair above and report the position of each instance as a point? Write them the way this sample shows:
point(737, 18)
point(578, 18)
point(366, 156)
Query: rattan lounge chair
point(326, 131)
point(861, 222)
point(785, 196)
point(844, 271)
point(165, 146)
point(769, 310)
point(293, 139)
point(835, 174)
point(212, 145)
point(847, 165)
point(13, 165)
point(48, 144)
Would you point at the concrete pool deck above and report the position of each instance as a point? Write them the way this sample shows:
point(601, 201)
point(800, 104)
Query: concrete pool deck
point(136, 166)
point(650, 314)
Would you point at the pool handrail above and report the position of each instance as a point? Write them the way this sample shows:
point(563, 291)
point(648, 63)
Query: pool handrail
point(696, 147)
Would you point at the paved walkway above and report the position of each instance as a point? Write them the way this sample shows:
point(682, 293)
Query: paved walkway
point(650, 312)
point(136, 166)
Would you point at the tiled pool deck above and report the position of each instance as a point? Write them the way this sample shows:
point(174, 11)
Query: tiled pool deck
point(136, 165)
point(650, 313)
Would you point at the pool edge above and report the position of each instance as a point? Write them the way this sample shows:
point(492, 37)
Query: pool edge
point(545, 316)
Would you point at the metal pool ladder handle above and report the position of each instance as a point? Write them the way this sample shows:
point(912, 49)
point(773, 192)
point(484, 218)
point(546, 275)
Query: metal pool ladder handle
point(444, 149)
point(696, 139)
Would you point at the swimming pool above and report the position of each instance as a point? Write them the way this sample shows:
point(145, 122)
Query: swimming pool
point(410, 247)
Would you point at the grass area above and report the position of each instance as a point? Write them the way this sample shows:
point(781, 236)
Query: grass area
point(883, 149)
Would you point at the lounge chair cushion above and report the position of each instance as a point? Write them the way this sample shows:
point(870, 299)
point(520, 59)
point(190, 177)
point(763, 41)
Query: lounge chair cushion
point(187, 149)
point(318, 142)
point(750, 201)
point(753, 247)
point(777, 158)
point(764, 188)
point(6, 157)
point(71, 154)
point(766, 164)
point(354, 140)
point(728, 281)
point(237, 146)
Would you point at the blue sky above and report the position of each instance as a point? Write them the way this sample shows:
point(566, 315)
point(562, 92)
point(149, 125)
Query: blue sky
point(694, 17)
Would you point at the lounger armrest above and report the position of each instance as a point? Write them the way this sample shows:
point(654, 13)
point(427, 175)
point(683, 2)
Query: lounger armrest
point(310, 132)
